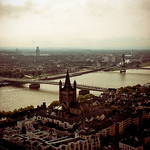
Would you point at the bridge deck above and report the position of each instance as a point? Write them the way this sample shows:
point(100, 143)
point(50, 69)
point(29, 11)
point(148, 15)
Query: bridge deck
point(24, 81)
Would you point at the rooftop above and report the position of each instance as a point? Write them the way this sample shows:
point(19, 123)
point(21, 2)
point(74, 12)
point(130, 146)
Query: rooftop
point(65, 141)
point(131, 142)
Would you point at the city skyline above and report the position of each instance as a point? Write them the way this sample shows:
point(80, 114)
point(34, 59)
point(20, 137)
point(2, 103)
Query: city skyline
point(98, 24)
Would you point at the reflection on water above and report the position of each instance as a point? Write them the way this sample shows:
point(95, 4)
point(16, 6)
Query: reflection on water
point(16, 97)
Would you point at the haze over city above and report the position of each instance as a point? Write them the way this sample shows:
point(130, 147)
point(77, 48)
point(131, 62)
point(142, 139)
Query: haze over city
point(74, 74)
point(99, 24)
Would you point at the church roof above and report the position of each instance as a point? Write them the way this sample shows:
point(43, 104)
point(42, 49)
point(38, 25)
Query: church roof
point(75, 105)
point(80, 106)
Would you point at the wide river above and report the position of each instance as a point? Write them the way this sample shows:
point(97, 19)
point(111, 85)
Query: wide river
point(12, 97)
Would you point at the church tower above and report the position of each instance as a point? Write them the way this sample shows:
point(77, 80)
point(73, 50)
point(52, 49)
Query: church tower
point(67, 93)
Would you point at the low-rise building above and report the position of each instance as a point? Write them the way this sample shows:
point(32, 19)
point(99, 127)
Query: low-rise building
point(130, 144)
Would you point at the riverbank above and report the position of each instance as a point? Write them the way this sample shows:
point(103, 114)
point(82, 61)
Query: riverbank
point(145, 64)
point(4, 84)
point(60, 76)
point(82, 72)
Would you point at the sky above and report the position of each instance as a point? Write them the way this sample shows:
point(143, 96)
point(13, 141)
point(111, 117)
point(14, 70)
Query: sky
point(97, 24)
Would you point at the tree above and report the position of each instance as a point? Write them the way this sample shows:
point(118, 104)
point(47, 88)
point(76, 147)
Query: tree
point(84, 98)
point(107, 104)
point(18, 75)
point(33, 72)
point(21, 75)
point(129, 89)
point(10, 113)
point(39, 72)
point(6, 73)
point(80, 97)
point(54, 104)
point(89, 96)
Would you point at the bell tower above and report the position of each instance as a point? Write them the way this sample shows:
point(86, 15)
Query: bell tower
point(67, 93)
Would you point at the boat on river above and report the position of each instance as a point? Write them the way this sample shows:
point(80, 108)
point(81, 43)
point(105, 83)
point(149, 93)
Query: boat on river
point(34, 86)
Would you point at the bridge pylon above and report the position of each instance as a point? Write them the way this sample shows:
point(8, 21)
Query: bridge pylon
point(123, 69)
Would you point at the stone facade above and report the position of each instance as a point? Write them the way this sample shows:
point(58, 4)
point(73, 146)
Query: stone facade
point(67, 94)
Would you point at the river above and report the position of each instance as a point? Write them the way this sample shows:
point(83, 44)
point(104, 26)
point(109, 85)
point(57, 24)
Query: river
point(12, 97)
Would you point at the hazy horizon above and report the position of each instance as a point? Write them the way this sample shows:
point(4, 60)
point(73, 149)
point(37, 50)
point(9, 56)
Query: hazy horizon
point(78, 24)
point(67, 49)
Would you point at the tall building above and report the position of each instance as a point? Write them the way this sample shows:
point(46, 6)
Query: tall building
point(37, 51)
point(67, 94)
point(109, 58)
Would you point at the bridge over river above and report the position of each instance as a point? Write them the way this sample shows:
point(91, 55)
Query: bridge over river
point(35, 81)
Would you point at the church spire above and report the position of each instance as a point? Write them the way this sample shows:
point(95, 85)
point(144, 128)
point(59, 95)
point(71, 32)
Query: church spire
point(67, 82)
point(75, 84)
point(60, 84)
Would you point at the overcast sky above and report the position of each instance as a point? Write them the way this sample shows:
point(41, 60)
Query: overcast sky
point(110, 24)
